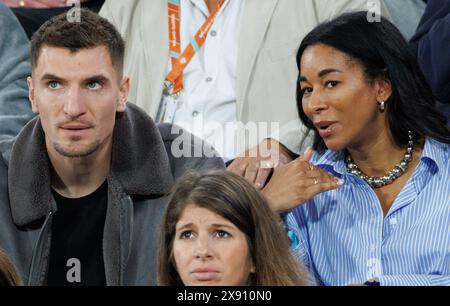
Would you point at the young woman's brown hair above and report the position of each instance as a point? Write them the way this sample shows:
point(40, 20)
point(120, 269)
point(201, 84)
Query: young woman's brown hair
point(8, 274)
point(234, 199)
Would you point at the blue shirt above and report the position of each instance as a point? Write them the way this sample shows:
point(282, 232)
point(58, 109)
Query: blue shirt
point(343, 238)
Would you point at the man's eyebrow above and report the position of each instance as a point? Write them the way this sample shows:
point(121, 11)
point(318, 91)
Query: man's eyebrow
point(49, 76)
point(97, 78)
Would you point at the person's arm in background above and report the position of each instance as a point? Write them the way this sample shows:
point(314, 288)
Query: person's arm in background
point(15, 67)
point(432, 43)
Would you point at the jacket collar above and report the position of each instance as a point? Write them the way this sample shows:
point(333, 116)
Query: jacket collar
point(139, 163)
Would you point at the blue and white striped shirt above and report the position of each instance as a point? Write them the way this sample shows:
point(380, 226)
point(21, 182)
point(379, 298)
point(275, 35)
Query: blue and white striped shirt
point(343, 238)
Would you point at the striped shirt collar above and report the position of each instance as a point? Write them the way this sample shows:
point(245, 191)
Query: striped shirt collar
point(435, 152)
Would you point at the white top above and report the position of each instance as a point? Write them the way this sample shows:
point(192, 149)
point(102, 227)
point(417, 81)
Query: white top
point(207, 104)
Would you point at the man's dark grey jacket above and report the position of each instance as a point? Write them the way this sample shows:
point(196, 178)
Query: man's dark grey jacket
point(143, 170)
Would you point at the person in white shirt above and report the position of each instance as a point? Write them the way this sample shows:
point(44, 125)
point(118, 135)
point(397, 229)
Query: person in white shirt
point(209, 93)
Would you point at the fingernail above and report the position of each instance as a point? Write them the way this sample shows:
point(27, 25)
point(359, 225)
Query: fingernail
point(258, 185)
point(340, 182)
point(307, 150)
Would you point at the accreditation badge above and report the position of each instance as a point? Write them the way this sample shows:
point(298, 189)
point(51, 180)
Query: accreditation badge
point(167, 108)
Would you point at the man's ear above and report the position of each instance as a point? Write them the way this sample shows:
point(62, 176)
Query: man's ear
point(123, 96)
point(34, 105)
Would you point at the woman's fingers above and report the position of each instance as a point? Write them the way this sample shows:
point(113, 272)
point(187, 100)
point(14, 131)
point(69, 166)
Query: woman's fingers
point(318, 185)
point(297, 182)
point(315, 180)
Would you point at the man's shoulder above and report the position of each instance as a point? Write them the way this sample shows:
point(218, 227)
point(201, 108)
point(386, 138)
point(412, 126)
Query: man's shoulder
point(179, 137)
point(169, 131)
point(187, 151)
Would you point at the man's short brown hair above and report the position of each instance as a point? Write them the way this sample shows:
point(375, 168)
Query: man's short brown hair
point(92, 31)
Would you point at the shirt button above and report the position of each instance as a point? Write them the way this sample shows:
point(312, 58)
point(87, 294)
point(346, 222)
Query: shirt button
point(393, 221)
point(213, 33)
point(195, 113)
point(209, 79)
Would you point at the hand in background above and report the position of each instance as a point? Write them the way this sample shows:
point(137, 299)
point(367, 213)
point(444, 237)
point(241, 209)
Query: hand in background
point(258, 163)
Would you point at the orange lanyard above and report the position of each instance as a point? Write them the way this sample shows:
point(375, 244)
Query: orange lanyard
point(174, 80)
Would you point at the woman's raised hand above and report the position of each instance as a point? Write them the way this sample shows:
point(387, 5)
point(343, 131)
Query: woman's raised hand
point(295, 183)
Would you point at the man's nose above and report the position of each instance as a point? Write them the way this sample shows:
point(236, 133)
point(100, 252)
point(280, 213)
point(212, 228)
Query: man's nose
point(74, 105)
